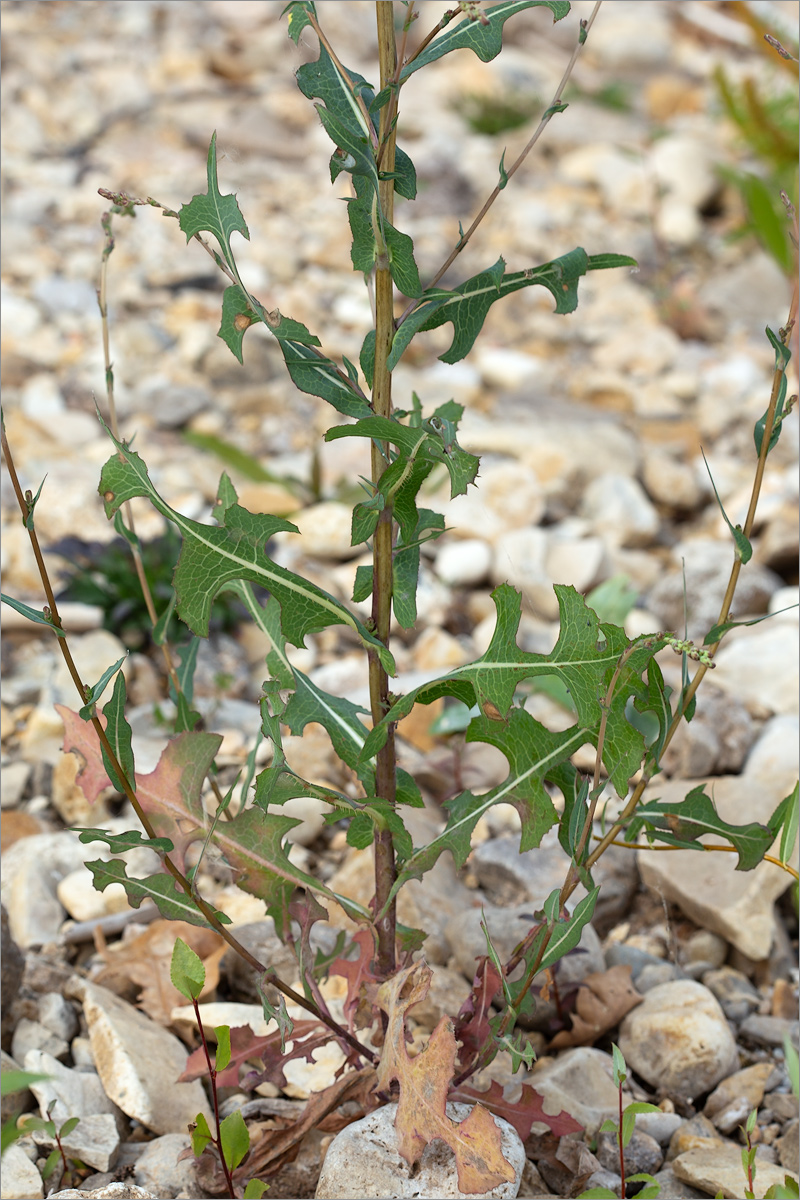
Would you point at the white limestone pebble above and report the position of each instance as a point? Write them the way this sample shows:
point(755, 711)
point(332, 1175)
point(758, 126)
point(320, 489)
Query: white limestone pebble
point(678, 1040)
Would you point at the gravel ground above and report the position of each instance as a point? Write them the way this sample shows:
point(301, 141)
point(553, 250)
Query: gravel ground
point(590, 428)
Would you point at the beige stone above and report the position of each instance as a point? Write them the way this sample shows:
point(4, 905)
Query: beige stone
point(678, 1039)
point(20, 1179)
point(435, 648)
point(732, 1101)
point(268, 498)
point(68, 798)
point(580, 1083)
point(77, 893)
point(718, 1169)
point(139, 1064)
point(325, 530)
point(738, 905)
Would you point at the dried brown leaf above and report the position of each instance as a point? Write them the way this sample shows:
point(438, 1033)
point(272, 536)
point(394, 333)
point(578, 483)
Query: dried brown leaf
point(80, 737)
point(145, 961)
point(170, 794)
point(249, 1047)
point(603, 1000)
point(472, 1023)
point(424, 1082)
point(280, 1145)
point(565, 1164)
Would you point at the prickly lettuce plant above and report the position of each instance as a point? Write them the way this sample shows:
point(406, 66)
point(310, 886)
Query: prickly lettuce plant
point(623, 708)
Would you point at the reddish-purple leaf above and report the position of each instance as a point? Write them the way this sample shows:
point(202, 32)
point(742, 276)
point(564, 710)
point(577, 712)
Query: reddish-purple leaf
point(472, 1023)
point(522, 1113)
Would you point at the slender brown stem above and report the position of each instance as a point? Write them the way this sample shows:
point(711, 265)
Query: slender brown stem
point(619, 1143)
point(549, 112)
point(426, 41)
point(393, 100)
point(180, 879)
point(212, 1074)
point(385, 782)
point(709, 848)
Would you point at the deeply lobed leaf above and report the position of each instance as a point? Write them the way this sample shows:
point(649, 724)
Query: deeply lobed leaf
point(214, 556)
point(171, 901)
point(424, 1081)
point(684, 823)
point(585, 657)
point(467, 305)
point(484, 40)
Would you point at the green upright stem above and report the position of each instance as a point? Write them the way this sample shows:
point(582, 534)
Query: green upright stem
point(385, 785)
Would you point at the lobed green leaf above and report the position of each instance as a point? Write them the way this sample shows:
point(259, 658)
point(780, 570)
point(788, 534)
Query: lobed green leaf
point(317, 375)
point(467, 305)
point(172, 902)
point(253, 844)
point(684, 823)
point(484, 40)
point(418, 445)
point(212, 212)
point(323, 80)
point(308, 702)
point(534, 754)
point(585, 657)
point(119, 843)
point(214, 557)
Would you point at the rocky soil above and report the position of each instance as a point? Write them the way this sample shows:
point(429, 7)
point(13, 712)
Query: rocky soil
point(590, 429)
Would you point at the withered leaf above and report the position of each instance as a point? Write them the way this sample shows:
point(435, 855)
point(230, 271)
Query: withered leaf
point(247, 1046)
point(357, 972)
point(603, 1000)
point(145, 961)
point(472, 1023)
point(424, 1082)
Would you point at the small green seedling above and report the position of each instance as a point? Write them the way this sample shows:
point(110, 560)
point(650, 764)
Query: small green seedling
point(787, 1190)
point(624, 1130)
point(58, 1134)
point(231, 1139)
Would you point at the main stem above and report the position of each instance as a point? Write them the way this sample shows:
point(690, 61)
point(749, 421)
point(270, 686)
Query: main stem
point(385, 783)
